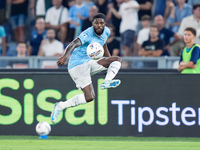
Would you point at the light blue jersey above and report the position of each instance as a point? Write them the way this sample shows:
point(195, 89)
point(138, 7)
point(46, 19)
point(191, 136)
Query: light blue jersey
point(79, 54)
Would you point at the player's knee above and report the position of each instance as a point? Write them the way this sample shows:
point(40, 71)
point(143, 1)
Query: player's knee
point(90, 98)
point(117, 58)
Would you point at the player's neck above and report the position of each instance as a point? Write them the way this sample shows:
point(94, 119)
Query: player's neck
point(97, 34)
point(190, 44)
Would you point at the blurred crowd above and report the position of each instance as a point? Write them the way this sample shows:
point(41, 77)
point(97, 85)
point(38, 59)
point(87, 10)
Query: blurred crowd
point(148, 28)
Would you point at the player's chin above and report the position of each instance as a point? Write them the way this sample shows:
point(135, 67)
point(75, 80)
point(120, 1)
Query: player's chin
point(99, 32)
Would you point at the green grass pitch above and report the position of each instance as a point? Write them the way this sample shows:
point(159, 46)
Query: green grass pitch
point(97, 143)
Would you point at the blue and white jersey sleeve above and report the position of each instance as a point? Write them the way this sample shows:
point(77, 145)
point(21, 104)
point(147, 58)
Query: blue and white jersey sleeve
point(85, 36)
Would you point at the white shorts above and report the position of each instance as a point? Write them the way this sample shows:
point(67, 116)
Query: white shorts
point(81, 74)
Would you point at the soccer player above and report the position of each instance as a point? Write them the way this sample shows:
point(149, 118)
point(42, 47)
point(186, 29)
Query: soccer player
point(81, 67)
point(190, 56)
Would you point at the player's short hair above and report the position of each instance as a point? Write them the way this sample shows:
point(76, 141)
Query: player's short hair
point(194, 32)
point(99, 15)
point(195, 6)
point(155, 26)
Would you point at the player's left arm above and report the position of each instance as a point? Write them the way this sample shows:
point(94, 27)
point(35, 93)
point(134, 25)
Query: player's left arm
point(106, 51)
point(192, 63)
point(185, 65)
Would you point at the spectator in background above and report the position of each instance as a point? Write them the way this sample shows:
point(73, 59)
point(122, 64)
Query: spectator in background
point(57, 18)
point(162, 7)
point(143, 34)
point(2, 11)
point(128, 13)
point(154, 46)
point(112, 19)
point(40, 7)
point(144, 9)
point(192, 2)
point(71, 3)
point(192, 21)
point(112, 43)
point(177, 14)
point(18, 17)
point(93, 10)
point(37, 36)
point(2, 41)
point(77, 13)
point(68, 3)
point(102, 5)
point(190, 56)
point(165, 34)
point(21, 53)
point(88, 3)
point(50, 47)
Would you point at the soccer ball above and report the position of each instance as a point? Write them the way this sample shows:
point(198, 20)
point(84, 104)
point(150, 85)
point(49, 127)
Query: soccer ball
point(95, 51)
point(43, 128)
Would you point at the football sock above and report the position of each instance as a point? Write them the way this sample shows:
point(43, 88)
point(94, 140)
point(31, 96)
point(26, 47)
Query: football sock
point(74, 101)
point(113, 70)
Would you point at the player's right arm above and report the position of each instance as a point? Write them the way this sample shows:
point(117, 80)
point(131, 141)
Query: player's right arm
point(68, 50)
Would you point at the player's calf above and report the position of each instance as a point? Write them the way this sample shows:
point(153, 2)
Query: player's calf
point(58, 107)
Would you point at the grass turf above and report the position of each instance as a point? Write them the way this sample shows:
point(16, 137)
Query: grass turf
point(98, 143)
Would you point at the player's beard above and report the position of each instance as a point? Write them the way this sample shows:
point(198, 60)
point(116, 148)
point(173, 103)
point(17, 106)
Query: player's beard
point(100, 33)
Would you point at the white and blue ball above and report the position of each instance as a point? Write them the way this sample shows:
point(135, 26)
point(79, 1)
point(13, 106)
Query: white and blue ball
point(95, 51)
point(43, 128)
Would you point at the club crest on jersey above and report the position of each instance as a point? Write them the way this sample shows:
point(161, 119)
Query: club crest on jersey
point(84, 35)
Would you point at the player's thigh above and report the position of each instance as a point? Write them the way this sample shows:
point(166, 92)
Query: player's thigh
point(81, 75)
point(95, 67)
point(105, 62)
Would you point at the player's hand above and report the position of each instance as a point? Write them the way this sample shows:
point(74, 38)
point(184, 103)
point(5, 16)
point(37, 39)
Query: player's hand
point(61, 60)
